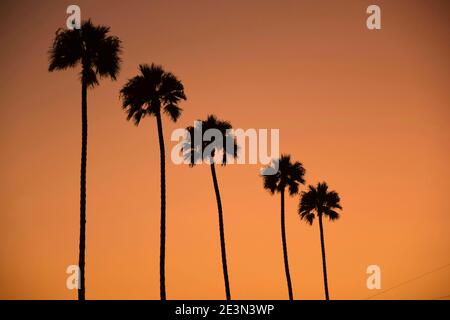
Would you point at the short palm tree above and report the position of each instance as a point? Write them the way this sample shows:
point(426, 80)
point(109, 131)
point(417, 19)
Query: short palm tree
point(195, 153)
point(289, 176)
point(151, 93)
point(98, 54)
point(318, 201)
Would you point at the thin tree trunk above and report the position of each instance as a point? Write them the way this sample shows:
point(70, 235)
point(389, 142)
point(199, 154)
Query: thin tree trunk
point(285, 253)
point(162, 252)
point(222, 232)
point(82, 243)
point(324, 262)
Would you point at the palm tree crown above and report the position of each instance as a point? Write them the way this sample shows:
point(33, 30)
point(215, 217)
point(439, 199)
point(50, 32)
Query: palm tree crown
point(193, 153)
point(319, 201)
point(289, 175)
point(151, 90)
point(92, 47)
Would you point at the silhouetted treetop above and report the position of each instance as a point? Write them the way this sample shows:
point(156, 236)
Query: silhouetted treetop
point(92, 47)
point(318, 200)
point(153, 89)
point(289, 175)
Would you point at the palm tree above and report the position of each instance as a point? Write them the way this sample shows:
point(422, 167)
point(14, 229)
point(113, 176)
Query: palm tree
point(289, 175)
point(318, 201)
point(194, 153)
point(148, 94)
point(98, 54)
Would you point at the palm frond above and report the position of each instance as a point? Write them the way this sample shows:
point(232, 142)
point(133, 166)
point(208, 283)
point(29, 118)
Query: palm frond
point(66, 50)
point(107, 60)
point(331, 214)
point(271, 182)
point(173, 111)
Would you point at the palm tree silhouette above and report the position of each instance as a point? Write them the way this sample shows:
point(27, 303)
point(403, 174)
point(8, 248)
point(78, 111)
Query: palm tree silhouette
point(98, 54)
point(147, 94)
point(195, 153)
point(289, 175)
point(318, 201)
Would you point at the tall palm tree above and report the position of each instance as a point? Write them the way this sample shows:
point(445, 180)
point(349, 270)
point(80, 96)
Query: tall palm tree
point(194, 153)
point(150, 93)
point(98, 54)
point(318, 201)
point(289, 175)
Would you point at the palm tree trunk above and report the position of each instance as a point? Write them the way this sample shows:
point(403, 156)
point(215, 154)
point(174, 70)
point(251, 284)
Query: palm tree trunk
point(324, 262)
point(222, 232)
point(285, 253)
point(82, 243)
point(162, 252)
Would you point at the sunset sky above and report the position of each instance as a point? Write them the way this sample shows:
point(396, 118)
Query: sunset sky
point(365, 110)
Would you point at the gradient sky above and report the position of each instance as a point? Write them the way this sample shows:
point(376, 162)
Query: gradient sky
point(367, 111)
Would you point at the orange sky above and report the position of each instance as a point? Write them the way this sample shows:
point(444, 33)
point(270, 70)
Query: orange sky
point(367, 111)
